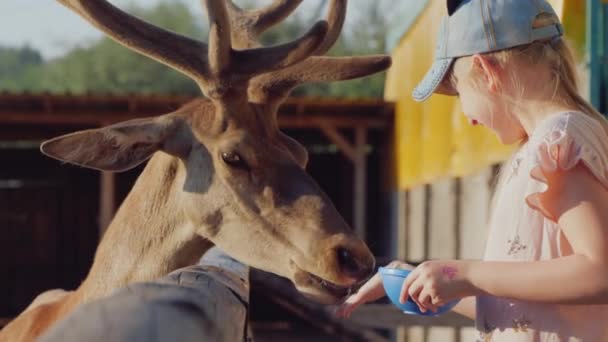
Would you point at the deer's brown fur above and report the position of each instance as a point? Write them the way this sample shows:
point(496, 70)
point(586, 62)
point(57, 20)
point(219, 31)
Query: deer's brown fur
point(220, 172)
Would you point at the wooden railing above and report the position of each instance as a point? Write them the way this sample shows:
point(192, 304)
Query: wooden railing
point(444, 220)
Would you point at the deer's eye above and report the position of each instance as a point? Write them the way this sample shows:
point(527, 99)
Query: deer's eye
point(233, 159)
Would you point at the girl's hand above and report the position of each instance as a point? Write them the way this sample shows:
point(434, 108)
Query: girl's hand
point(435, 283)
point(369, 292)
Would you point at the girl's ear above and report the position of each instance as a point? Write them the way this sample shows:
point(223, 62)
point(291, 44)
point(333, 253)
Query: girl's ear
point(488, 69)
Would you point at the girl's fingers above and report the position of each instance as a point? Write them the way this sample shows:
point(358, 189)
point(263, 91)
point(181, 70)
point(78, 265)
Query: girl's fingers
point(424, 301)
point(436, 302)
point(428, 302)
point(405, 288)
point(414, 291)
point(401, 265)
point(369, 292)
point(408, 280)
point(345, 310)
point(373, 290)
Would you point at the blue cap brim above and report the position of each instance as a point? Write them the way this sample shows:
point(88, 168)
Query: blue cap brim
point(432, 79)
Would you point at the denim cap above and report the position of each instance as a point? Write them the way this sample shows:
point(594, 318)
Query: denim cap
point(482, 26)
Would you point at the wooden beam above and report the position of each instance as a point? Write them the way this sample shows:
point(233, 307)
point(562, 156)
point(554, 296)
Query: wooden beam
point(292, 105)
point(358, 155)
point(59, 118)
point(360, 182)
point(361, 322)
point(203, 302)
point(441, 220)
point(319, 120)
point(92, 109)
point(337, 138)
point(321, 316)
point(387, 316)
point(476, 194)
point(107, 200)
point(403, 213)
point(97, 118)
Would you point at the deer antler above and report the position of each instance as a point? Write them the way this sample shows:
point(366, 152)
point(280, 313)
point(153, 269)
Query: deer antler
point(209, 65)
point(177, 51)
point(275, 86)
point(220, 46)
point(249, 25)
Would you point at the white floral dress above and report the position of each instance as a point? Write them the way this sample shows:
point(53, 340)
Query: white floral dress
point(521, 229)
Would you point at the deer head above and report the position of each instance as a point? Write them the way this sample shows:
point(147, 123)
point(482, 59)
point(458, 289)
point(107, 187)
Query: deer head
point(238, 180)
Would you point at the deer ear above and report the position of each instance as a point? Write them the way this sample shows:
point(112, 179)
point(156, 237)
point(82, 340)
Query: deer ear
point(118, 147)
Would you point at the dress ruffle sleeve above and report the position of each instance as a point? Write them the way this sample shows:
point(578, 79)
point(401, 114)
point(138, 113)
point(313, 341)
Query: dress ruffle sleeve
point(561, 143)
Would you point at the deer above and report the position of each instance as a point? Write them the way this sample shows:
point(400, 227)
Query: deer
point(219, 170)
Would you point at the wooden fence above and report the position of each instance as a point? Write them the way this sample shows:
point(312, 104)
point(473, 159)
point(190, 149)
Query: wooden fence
point(443, 220)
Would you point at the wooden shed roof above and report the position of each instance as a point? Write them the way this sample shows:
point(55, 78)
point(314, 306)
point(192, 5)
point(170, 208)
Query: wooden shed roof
point(97, 110)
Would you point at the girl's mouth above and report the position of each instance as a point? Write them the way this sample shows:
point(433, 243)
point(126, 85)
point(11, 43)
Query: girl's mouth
point(474, 122)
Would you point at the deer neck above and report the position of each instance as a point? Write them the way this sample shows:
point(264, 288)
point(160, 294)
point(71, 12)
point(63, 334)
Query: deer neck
point(149, 236)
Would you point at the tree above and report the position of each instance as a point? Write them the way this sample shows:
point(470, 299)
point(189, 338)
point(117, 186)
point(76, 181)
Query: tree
point(365, 36)
point(14, 65)
point(105, 66)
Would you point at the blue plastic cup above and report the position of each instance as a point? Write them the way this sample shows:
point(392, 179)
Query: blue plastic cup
point(392, 280)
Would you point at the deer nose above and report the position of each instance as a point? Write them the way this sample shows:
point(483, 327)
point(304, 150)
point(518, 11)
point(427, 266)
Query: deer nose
point(354, 267)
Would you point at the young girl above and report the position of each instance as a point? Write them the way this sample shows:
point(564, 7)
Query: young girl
point(544, 276)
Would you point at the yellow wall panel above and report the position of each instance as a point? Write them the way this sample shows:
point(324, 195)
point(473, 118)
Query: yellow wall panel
point(433, 139)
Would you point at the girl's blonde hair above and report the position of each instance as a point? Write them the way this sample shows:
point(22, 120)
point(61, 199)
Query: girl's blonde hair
point(558, 56)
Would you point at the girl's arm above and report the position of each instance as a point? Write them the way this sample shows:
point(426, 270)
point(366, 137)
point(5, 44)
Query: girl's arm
point(570, 280)
point(581, 204)
point(369, 292)
point(466, 307)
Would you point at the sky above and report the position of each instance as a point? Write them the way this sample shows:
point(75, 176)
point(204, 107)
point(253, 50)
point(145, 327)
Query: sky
point(52, 29)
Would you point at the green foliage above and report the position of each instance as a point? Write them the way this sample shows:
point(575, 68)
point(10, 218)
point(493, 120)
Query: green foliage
point(106, 67)
point(15, 66)
point(365, 37)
